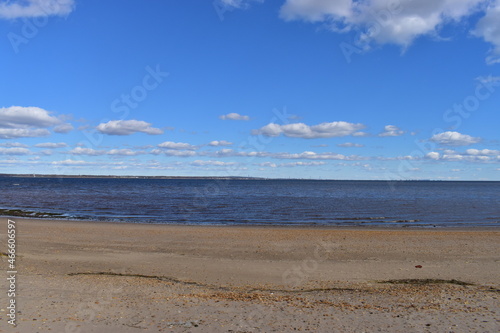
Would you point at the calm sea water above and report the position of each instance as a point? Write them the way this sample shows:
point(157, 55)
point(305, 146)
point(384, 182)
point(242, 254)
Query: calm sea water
point(278, 202)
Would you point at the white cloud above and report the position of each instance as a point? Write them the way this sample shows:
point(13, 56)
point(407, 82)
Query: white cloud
point(282, 155)
point(360, 134)
point(212, 163)
point(310, 155)
point(433, 155)
point(267, 164)
point(26, 117)
point(112, 152)
point(124, 152)
point(72, 162)
point(488, 28)
point(12, 133)
point(381, 21)
point(180, 153)
point(13, 144)
point(295, 164)
point(234, 116)
point(350, 144)
point(14, 151)
point(21, 122)
point(220, 143)
point(63, 128)
point(51, 145)
point(35, 8)
point(301, 130)
point(127, 127)
point(454, 139)
point(482, 152)
point(176, 145)
point(290, 164)
point(86, 151)
point(470, 155)
point(391, 130)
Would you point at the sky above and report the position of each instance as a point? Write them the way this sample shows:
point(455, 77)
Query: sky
point(340, 89)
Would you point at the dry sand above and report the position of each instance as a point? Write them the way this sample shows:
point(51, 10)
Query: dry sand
point(109, 277)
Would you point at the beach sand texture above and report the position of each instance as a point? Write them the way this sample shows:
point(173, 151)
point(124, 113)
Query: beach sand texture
point(76, 276)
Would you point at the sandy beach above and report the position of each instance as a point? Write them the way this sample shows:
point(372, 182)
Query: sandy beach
point(75, 276)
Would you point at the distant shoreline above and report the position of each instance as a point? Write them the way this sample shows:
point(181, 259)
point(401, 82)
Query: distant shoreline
point(124, 177)
point(8, 175)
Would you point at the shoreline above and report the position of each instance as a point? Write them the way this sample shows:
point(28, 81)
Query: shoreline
point(129, 277)
point(381, 226)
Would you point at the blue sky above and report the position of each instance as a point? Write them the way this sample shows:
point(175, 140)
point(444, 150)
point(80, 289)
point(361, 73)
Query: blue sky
point(381, 89)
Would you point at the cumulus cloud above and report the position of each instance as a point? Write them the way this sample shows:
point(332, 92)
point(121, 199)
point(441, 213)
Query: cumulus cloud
point(234, 116)
point(382, 21)
point(211, 163)
point(220, 143)
point(71, 162)
point(482, 152)
point(26, 122)
point(310, 155)
point(14, 151)
point(176, 145)
point(35, 8)
point(350, 144)
point(301, 130)
point(180, 153)
point(433, 155)
point(454, 139)
point(51, 145)
point(488, 28)
point(391, 130)
point(13, 144)
point(267, 164)
point(290, 164)
point(86, 151)
point(127, 127)
point(470, 155)
point(112, 152)
point(12, 133)
point(63, 128)
point(295, 164)
point(24, 117)
point(124, 152)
